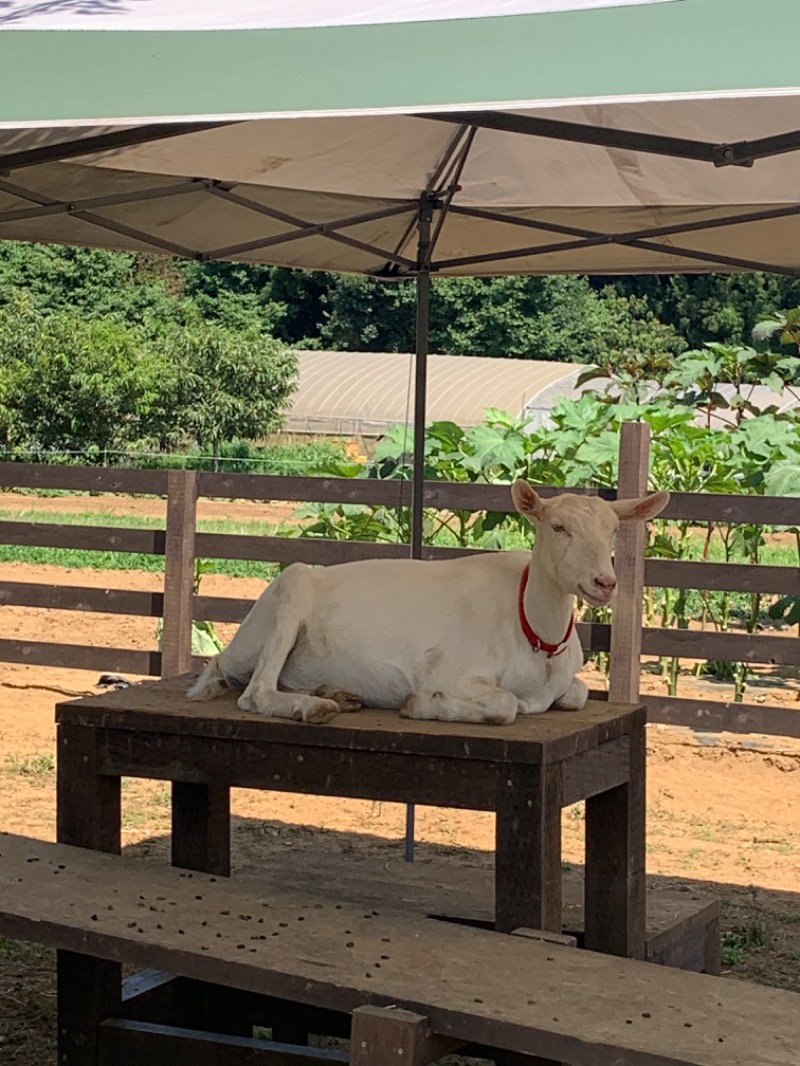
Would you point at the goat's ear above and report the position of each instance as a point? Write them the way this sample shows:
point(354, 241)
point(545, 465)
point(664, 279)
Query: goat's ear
point(644, 508)
point(526, 500)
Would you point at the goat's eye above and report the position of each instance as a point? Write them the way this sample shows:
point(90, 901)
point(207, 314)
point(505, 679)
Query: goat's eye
point(559, 529)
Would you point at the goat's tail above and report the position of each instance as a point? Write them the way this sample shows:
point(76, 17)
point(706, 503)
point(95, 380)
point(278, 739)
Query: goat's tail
point(210, 683)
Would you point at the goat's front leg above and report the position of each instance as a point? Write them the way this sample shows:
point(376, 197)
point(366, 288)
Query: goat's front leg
point(345, 701)
point(478, 702)
point(282, 615)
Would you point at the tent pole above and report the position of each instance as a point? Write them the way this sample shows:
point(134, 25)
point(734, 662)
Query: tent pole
point(420, 397)
point(426, 208)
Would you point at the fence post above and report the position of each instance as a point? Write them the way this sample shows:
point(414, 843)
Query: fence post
point(626, 631)
point(179, 560)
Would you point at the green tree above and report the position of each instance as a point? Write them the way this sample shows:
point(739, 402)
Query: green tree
point(94, 282)
point(68, 382)
point(552, 318)
point(231, 384)
point(236, 295)
point(705, 307)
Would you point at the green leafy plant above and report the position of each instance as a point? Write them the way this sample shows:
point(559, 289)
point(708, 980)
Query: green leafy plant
point(205, 641)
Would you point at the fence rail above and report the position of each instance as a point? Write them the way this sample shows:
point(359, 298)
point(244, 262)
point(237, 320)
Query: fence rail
point(180, 543)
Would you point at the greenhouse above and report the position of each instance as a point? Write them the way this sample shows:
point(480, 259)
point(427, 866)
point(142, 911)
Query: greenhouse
point(359, 395)
point(362, 394)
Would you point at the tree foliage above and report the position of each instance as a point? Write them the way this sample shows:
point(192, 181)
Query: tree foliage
point(592, 320)
point(74, 383)
point(68, 382)
point(230, 383)
point(553, 318)
point(104, 348)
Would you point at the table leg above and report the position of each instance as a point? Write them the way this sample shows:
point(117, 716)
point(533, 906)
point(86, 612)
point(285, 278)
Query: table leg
point(88, 805)
point(528, 848)
point(201, 828)
point(615, 888)
point(201, 840)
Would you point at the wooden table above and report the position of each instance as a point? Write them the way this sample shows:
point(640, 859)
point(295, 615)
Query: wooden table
point(525, 772)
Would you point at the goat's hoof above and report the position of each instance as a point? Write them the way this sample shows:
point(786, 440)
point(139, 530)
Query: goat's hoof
point(409, 707)
point(345, 701)
point(319, 712)
point(574, 699)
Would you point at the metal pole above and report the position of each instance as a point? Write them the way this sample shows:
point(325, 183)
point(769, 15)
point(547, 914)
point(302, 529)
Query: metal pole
point(421, 373)
point(426, 208)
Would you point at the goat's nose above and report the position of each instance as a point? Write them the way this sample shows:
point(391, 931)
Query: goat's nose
point(606, 582)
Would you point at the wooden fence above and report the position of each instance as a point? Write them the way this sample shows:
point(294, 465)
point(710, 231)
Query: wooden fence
point(180, 543)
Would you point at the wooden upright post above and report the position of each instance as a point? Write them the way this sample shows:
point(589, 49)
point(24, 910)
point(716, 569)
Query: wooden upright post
point(626, 632)
point(176, 653)
point(615, 886)
point(89, 806)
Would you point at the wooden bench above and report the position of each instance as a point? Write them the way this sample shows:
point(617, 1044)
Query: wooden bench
point(411, 983)
point(682, 927)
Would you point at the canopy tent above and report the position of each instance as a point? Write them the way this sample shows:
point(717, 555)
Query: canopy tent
point(541, 136)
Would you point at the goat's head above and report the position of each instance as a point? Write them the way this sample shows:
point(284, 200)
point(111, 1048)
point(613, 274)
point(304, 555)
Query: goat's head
point(575, 537)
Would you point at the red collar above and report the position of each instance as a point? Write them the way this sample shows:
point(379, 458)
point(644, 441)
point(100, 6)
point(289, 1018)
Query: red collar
point(536, 642)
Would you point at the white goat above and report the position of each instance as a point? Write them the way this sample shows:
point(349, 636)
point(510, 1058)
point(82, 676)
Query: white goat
point(478, 639)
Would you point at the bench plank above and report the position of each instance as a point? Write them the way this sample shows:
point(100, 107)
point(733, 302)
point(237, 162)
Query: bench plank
point(567, 1005)
point(465, 893)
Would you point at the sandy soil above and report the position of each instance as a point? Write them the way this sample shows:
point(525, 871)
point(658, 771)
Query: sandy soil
point(724, 814)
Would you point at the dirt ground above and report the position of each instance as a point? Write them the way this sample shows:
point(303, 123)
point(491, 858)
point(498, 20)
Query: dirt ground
point(723, 812)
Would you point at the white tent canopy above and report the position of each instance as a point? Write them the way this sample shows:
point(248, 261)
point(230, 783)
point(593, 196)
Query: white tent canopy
point(539, 136)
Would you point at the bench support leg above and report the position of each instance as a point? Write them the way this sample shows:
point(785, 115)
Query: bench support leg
point(89, 990)
point(386, 1036)
point(528, 852)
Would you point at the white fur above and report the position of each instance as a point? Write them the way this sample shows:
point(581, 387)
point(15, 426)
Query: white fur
point(437, 640)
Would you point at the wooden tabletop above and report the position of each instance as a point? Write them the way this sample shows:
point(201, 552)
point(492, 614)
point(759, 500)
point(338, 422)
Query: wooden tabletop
point(162, 707)
point(566, 1004)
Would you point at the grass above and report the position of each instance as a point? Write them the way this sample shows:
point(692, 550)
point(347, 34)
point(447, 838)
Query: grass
point(37, 766)
point(82, 559)
point(144, 805)
point(738, 941)
point(27, 1003)
point(20, 951)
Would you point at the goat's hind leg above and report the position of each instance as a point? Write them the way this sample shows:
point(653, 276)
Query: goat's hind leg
point(282, 616)
point(477, 702)
point(574, 699)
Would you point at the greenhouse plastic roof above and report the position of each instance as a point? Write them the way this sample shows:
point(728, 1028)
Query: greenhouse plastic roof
point(364, 393)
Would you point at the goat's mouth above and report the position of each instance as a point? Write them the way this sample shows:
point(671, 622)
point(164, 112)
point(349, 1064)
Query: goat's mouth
point(596, 599)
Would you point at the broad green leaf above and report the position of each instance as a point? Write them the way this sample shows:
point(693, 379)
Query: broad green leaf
point(592, 374)
point(764, 330)
point(782, 479)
